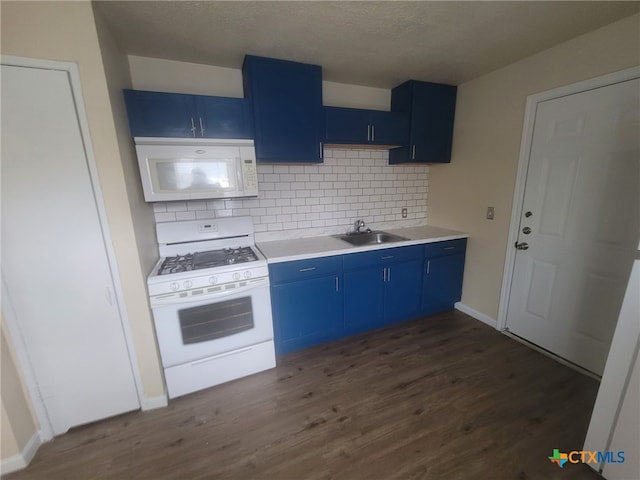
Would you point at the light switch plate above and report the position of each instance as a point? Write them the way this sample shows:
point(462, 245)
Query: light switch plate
point(490, 213)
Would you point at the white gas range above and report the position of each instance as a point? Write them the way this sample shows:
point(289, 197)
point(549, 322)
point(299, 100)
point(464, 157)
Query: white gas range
point(209, 293)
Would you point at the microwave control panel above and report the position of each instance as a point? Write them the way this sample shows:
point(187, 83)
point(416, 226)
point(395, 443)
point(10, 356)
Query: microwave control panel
point(249, 174)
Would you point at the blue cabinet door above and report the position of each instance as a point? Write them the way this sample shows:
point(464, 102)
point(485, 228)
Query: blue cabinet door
point(442, 285)
point(347, 126)
point(354, 126)
point(224, 117)
point(431, 110)
point(402, 291)
point(306, 312)
point(389, 128)
point(157, 114)
point(286, 98)
point(363, 299)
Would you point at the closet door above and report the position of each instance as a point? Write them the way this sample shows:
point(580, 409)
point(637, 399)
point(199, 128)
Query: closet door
point(55, 267)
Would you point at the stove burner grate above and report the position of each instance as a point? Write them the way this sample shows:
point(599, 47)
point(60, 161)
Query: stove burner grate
point(209, 259)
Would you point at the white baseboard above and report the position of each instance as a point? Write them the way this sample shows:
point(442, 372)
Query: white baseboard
point(476, 314)
point(22, 459)
point(151, 403)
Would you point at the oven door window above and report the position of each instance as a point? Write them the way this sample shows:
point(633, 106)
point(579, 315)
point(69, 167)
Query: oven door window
point(215, 320)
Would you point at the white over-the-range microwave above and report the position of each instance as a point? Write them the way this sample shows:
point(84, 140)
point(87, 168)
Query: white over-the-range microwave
point(196, 169)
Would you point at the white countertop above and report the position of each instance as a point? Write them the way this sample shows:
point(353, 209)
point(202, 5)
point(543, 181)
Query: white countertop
point(323, 246)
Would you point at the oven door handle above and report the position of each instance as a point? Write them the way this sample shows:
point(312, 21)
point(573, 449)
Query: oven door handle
point(175, 298)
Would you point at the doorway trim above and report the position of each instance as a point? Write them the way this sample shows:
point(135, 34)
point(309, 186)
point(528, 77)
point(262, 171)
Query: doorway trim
point(523, 169)
point(44, 428)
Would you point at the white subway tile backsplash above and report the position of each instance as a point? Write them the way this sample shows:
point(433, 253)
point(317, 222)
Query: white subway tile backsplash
point(305, 200)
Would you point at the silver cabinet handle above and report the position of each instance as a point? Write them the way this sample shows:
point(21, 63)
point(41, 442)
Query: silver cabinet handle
point(321, 151)
point(386, 257)
point(368, 132)
point(201, 127)
point(193, 127)
point(307, 269)
point(413, 152)
point(388, 274)
point(449, 248)
point(373, 133)
point(428, 266)
point(337, 285)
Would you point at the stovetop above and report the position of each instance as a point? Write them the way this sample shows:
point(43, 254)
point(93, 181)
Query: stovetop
point(208, 259)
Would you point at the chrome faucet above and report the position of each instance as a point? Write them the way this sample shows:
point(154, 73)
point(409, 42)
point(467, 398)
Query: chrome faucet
point(357, 225)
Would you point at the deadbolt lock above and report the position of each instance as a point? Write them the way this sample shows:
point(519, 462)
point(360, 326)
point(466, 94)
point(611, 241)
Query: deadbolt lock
point(526, 230)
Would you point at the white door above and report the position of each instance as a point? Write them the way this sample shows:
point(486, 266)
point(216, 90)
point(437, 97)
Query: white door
point(582, 206)
point(54, 261)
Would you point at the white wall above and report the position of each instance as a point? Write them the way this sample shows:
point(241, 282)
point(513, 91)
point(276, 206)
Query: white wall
point(182, 77)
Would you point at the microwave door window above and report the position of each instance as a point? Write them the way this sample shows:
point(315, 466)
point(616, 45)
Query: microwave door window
point(194, 175)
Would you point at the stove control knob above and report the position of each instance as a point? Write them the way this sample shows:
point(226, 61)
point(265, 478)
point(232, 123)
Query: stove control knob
point(174, 286)
point(236, 276)
point(188, 284)
point(247, 274)
point(213, 280)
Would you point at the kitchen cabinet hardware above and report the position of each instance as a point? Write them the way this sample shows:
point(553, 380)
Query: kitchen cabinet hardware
point(522, 246)
point(526, 230)
point(308, 269)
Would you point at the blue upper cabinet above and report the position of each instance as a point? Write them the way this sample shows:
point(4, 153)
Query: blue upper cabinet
point(431, 109)
point(354, 126)
point(158, 114)
point(286, 98)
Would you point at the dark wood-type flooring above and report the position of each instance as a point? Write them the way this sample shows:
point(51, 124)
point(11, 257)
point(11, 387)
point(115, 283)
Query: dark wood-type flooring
point(443, 397)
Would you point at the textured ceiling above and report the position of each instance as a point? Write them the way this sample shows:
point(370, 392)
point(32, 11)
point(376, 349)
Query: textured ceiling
point(378, 44)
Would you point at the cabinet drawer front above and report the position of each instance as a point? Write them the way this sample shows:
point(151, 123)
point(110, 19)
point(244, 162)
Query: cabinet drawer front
point(382, 257)
point(300, 269)
point(449, 247)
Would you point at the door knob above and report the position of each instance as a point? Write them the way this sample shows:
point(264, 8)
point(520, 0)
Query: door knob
point(522, 246)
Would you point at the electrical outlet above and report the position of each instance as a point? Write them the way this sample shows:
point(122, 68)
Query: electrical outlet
point(490, 213)
point(404, 213)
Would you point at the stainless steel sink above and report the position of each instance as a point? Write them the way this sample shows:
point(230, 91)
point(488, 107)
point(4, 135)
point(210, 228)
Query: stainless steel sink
point(370, 238)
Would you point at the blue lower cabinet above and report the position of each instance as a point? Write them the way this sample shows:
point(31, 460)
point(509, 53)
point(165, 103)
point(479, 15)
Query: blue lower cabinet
point(443, 274)
point(402, 291)
point(321, 299)
point(306, 301)
point(363, 299)
point(381, 287)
